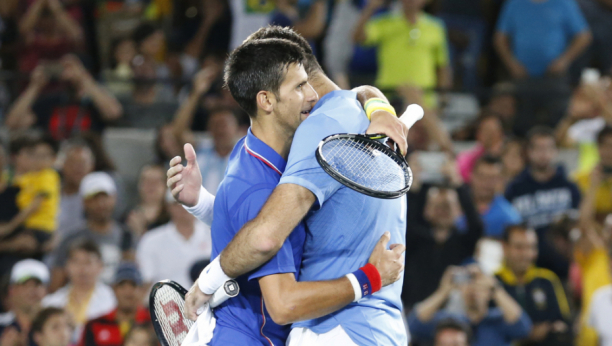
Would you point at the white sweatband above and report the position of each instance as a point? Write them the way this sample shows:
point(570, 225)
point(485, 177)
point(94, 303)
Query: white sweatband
point(355, 284)
point(212, 277)
point(203, 210)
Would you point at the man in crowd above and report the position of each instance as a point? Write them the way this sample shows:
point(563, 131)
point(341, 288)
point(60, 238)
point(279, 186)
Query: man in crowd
point(410, 33)
point(110, 329)
point(78, 162)
point(27, 287)
point(434, 243)
point(500, 325)
point(603, 194)
point(169, 251)
point(537, 290)
point(85, 297)
point(98, 192)
point(543, 192)
point(496, 212)
point(82, 105)
point(52, 327)
point(451, 332)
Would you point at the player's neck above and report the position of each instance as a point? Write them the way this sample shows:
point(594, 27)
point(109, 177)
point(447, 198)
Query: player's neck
point(274, 135)
point(322, 84)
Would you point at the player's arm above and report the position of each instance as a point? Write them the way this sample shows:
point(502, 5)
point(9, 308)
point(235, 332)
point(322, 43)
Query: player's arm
point(289, 301)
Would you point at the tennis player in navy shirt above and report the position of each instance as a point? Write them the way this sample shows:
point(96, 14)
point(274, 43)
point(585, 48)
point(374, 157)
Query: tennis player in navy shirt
point(254, 170)
point(332, 248)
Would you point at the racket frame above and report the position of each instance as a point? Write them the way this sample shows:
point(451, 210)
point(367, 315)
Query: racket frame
point(154, 319)
point(372, 140)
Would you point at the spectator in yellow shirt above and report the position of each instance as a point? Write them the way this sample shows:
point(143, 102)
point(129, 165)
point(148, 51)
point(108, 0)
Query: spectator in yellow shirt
point(600, 178)
point(42, 182)
point(412, 47)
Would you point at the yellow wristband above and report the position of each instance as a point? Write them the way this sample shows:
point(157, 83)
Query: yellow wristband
point(374, 100)
point(379, 107)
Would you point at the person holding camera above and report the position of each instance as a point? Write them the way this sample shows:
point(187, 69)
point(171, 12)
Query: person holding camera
point(80, 105)
point(539, 291)
point(469, 293)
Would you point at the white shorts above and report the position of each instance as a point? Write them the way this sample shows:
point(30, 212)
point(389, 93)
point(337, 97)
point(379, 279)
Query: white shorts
point(306, 337)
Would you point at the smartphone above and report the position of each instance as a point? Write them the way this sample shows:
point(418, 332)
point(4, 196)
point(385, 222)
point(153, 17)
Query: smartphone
point(462, 277)
point(53, 70)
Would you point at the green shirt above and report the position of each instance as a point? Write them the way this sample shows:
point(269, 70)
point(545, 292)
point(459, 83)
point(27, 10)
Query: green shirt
point(407, 53)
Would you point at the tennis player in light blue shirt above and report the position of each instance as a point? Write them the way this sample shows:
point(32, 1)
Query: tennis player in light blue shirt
point(344, 226)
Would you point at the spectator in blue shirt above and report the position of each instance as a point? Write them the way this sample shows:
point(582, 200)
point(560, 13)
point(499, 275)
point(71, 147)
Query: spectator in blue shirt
point(499, 325)
point(539, 37)
point(496, 212)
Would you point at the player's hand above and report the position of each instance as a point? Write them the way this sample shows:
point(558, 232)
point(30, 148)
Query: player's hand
point(185, 181)
point(388, 124)
point(194, 300)
point(390, 263)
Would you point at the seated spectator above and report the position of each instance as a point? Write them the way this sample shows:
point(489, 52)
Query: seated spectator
point(542, 192)
point(496, 212)
point(490, 141)
point(151, 210)
point(513, 159)
point(169, 251)
point(410, 33)
point(110, 329)
point(78, 162)
point(118, 78)
point(42, 183)
point(48, 32)
point(538, 41)
point(600, 178)
point(84, 297)
point(149, 41)
point(114, 240)
point(52, 327)
point(434, 243)
point(27, 287)
point(539, 291)
point(452, 332)
point(167, 145)
point(81, 104)
point(140, 335)
point(501, 324)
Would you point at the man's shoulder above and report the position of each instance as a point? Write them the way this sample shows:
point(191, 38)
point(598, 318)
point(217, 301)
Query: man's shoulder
point(433, 21)
point(544, 274)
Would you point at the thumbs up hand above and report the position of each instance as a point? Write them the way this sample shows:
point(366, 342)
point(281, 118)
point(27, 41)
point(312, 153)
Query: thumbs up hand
point(185, 181)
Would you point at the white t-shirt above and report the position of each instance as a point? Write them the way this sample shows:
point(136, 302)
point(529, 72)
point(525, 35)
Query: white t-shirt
point(102, 302)
point(163, 253)
point(600, 317)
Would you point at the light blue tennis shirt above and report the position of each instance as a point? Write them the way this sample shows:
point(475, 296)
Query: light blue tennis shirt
point(345, 225)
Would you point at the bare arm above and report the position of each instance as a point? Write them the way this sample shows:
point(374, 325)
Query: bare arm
point(502, 45)
point(510, 309)
point(426, 310)
point(21, 115)
point(359, 36)
point(110, 109)
point(313, 25)
point(28, 22)
point(65, 22)
point(445, 77)
point(579, 43)
point(261, 238)
point(184, 116)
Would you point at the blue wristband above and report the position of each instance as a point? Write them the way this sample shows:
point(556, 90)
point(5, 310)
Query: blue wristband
point(364, 282)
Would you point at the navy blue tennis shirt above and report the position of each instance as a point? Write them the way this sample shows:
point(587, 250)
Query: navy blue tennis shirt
point(253, 171)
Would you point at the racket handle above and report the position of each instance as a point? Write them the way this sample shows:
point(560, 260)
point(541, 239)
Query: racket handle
point(230, 289)
point(412, 114)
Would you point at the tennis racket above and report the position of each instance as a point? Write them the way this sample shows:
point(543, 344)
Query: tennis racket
point(366, 164)
point(167, 307)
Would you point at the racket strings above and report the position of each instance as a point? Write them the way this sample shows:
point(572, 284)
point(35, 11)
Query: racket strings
point(169, 308)
point(363, 164)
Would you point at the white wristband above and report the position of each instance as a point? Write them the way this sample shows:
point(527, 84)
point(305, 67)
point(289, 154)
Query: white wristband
point(212, 277)
point(355, 284)
point(203, 210)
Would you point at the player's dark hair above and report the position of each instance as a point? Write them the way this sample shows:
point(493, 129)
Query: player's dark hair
point(539, 132)
point(85, 245)
point(521, 227)
point(274, 31)
point(487, 160)
point(605, 132)
point(259, 65)
point(43, 316)
point(454, 324)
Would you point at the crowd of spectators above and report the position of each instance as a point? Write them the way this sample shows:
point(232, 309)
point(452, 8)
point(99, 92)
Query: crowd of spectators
point(505, 244)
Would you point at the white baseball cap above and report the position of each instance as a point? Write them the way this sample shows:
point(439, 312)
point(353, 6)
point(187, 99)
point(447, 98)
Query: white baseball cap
point(29, 269)
point(96, 182)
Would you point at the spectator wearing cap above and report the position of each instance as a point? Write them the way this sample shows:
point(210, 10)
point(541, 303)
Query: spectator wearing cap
point(169, 251)
point(116, 243)
point(111, 329)
point(27, 287)
point(496, 212)
point(84, 297)
point(52, 327)
point(537, 290)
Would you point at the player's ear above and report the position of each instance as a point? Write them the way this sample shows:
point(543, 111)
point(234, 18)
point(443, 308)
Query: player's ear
point(265, 101)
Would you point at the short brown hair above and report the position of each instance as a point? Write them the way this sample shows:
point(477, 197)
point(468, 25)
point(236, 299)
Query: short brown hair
point(86, 245)
point(43, 316)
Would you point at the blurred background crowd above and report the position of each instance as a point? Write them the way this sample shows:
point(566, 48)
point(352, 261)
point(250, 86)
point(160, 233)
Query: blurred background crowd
point(509, 218)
